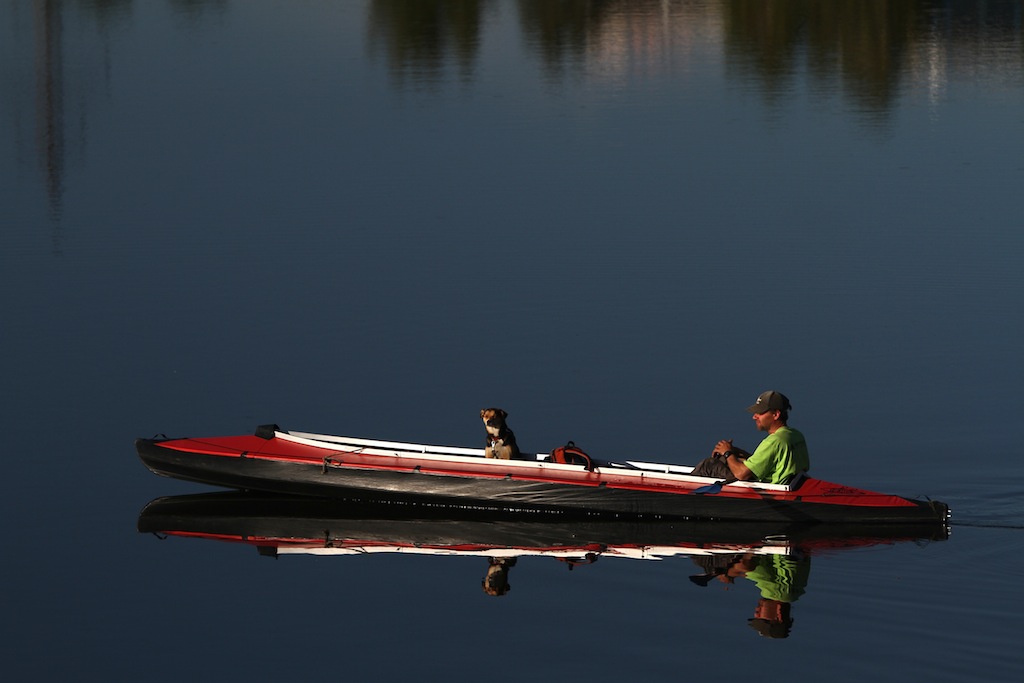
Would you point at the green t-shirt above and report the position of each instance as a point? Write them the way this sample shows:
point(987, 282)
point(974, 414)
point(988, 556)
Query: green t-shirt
point(781, 577)
point(780, 456)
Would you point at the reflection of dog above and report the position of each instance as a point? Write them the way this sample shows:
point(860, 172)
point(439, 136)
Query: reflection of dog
point(496, 580)
point(501, 442)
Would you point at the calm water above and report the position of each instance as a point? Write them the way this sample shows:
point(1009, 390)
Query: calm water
point(620, 221)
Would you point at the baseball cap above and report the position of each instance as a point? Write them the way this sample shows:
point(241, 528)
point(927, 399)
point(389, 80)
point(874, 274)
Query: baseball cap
point(769, 400)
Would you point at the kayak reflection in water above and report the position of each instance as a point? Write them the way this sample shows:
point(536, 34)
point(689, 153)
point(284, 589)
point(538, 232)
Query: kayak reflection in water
point(782, 579)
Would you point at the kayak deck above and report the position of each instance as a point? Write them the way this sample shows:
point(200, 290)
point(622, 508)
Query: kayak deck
point(451, 454)
point(306, 463)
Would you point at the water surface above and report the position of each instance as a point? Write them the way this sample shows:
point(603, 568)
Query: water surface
point(620, 221)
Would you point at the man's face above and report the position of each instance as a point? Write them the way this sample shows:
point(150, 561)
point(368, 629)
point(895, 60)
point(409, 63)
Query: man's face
point(764, 420)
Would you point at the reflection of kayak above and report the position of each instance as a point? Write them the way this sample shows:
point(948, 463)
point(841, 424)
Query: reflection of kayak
point(279, 524)
point(342, 467)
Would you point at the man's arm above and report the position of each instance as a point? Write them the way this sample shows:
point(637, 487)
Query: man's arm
point(734, 457)
point(737, 465)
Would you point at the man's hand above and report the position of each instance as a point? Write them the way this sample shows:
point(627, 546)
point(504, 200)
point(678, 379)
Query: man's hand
point(721, 447)
point(726, 445)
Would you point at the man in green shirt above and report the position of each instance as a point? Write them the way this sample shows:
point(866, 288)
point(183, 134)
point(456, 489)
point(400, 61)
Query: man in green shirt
point(780, 457)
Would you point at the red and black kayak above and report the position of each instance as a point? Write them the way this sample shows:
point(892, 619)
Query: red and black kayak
point(320, 465)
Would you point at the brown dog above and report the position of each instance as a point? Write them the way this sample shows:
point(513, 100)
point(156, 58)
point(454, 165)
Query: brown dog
point(501, 442)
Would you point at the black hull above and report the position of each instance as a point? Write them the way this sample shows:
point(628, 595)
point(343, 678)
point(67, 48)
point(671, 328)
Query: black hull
point(305, 479)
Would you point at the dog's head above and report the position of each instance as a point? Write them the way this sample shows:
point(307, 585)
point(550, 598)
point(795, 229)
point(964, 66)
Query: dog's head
point(494, 419)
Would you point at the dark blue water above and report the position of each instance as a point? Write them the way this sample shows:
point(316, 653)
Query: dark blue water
point(620, 221)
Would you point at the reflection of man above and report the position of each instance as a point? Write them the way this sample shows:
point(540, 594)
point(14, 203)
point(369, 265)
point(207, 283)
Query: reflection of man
point(496, 579)
point(781, 579)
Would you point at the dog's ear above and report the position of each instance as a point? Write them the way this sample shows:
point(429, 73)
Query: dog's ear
point(502, 413)
point(483, 412)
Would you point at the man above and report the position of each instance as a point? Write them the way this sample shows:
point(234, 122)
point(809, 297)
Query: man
point(780, 457)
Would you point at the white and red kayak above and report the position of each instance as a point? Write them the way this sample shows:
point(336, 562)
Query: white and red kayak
point(320, 465)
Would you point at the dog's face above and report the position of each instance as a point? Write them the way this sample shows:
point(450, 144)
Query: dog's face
point(494, 419)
